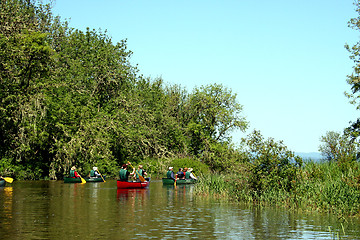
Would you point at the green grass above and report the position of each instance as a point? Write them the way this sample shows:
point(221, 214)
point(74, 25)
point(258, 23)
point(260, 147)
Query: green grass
point(324, 187)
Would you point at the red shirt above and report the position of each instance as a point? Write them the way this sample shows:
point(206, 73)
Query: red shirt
point(76, 174)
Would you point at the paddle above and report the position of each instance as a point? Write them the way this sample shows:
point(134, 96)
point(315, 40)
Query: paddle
point(82, 180)
point(142, 179)
point(101, 176)
point(176, 176)
point(8, 179)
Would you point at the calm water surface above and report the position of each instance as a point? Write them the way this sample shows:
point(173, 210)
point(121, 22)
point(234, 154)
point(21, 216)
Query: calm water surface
point(54, 210)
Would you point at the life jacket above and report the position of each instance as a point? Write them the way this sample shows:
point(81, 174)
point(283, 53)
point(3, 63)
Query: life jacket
point(187, 175)
point(141, 172)
point(92, 173)
point(180, 174)
point(123, 174)
point(168, 174)
point(72, 173)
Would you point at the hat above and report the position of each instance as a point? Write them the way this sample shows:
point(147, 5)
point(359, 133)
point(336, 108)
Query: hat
point(170, 168)
point(190, 169)
point(73, 168)
point(94, 168)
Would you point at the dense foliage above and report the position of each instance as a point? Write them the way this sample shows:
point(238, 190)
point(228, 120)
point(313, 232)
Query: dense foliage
point(271, 165)
point(69, 97)
point(342, 149)
point(354, 78)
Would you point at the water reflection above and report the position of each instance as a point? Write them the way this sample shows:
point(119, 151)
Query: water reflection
point(7, 203)
point(54, 210)
point(8, 196)
point(180, 193)
point(133, 195)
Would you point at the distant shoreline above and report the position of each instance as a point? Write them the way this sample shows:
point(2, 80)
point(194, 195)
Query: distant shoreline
point(316, 156)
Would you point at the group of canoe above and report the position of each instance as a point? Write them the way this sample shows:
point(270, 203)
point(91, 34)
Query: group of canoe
point(123, 182)
point(140, 182)
point(132, 184)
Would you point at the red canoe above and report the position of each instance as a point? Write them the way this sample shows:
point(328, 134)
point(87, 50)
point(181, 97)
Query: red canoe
point(123, 184)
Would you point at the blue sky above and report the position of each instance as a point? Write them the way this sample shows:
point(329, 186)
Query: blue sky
point(285, 59)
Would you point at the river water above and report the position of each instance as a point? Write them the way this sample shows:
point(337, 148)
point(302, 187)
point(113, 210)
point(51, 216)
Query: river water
point(54, 210)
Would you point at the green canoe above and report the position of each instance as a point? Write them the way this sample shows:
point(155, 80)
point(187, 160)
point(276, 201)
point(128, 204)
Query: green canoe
point(170, 181)
point(78, 180)
point(98, 179)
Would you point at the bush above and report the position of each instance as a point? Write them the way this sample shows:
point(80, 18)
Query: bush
point(271, 164)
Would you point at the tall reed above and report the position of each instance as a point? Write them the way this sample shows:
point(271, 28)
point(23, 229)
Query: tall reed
point(320, 186)
point(213, 184)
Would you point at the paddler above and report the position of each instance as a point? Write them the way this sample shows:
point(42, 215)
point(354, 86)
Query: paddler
point(124, 173)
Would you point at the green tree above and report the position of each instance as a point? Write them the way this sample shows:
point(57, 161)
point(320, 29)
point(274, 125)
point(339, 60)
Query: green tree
point(92, 75)
point(26, 60)
point(211, 115)
point(354, 79)
point(338, 147)
point(59, 90)
point(271, 164)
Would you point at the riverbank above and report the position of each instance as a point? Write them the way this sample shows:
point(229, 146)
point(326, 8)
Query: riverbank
point(317, 186)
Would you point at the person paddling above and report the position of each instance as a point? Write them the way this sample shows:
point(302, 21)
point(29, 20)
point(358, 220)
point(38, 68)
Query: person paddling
point(124, 173)
point(180, 174)
point(94, 173)
point(140, 171)
point(73, 173)
point(191, 175)
point(170, 173)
